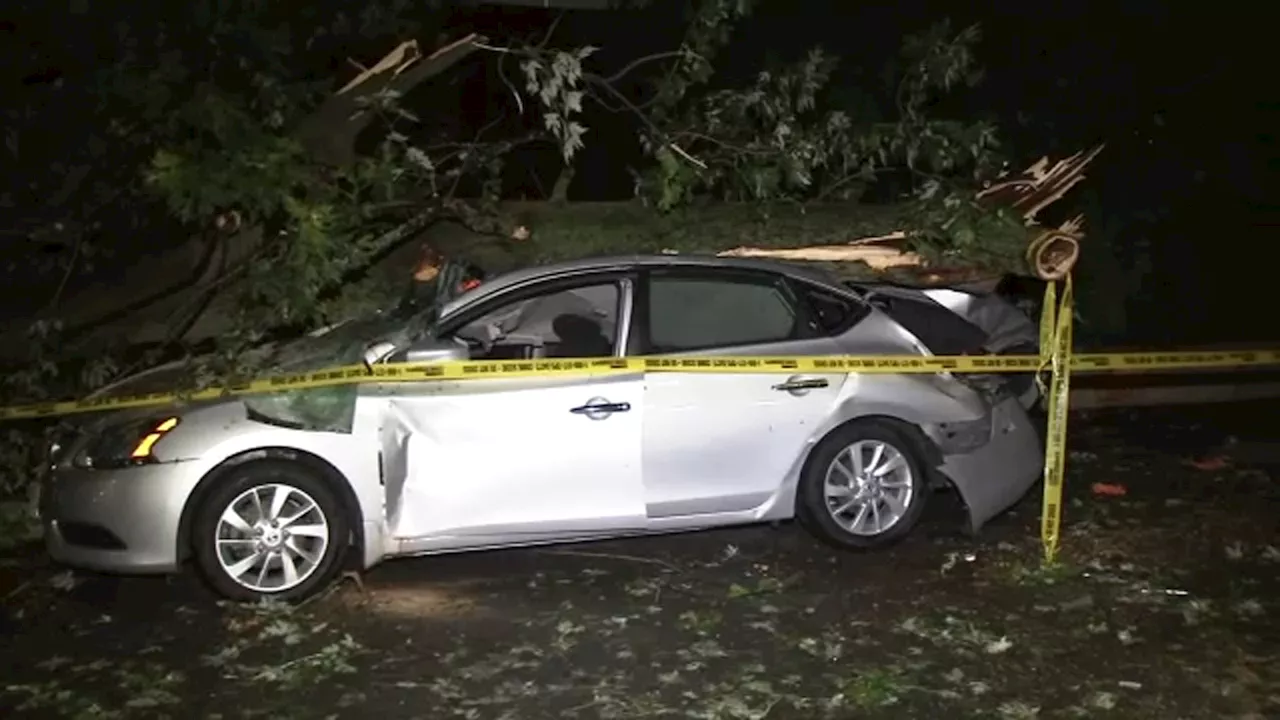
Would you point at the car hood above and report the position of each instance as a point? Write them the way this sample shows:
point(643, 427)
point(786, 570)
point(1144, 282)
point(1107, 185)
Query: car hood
point(324, 408)
point(343, 343)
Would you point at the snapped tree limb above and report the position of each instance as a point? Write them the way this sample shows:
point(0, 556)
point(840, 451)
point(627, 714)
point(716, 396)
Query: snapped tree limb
point(1050, 253)
point(330, 133)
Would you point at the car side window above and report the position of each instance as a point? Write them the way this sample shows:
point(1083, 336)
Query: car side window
point(703, 312)
point(829, 313)
point(576, 322)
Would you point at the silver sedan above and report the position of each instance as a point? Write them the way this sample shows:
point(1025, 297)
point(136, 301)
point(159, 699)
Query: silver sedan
point(269, 498)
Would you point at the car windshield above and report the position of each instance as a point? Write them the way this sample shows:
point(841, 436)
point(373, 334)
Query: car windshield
point(405, 320)
point(331, 408)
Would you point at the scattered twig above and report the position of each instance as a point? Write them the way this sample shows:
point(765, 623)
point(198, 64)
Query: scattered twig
point(649, 58)
point(551, 30)
point(14, 592)
point(266, 672)
point(689, 158)
point(328, 591)
point(584, 706)
point(611, 556)
point(495, 48)
point(716, 141)
point(66, 275)
point(502, 75)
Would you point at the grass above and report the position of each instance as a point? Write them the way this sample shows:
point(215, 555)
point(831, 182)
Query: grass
point(1158, 609)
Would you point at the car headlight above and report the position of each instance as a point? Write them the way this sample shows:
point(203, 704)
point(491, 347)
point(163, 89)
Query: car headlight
point(126, 444)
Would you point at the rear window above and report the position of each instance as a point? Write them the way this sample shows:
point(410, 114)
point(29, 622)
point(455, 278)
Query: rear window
point(942, 331)
point(695, 313)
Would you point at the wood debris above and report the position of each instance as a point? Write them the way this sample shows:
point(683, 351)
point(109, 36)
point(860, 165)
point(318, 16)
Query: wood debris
point(1050, 255)
point(877, 253)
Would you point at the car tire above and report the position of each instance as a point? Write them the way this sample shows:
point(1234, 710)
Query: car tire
point(817, 509)
point(253, 554)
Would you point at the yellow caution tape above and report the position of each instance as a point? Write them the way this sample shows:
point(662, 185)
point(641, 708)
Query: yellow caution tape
point(1139, 362)
point(503, 369)
point(1048, 308)
point(1055, 446)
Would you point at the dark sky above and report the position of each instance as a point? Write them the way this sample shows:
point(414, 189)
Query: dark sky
point(1180, 93)
point(1181, 99)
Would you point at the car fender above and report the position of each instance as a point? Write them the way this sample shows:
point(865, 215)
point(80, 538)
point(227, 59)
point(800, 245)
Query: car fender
point(208, 438)
point(989, 479)
point(921, 401)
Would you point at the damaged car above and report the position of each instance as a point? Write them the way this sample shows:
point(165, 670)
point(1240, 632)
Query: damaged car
point(272, 495)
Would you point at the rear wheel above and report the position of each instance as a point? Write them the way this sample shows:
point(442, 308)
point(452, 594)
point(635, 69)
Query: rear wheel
point(864, 487)
point(270, 529)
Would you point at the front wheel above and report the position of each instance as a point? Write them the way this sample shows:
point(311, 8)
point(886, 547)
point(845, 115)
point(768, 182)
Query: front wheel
point(865, 486)
point(271, 529)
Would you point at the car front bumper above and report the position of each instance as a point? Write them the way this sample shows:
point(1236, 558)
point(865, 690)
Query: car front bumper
point(124, 520)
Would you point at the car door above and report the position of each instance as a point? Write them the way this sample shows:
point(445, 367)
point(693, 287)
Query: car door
point(715, 443)
point(541, 456)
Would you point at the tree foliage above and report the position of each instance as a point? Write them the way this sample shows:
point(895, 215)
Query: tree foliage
point(774, 139)
point(200, 110)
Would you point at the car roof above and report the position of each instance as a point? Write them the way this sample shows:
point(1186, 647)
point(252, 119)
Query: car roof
point(502, 282)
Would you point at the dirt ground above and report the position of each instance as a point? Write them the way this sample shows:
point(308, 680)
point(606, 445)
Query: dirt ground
point(1164, 605)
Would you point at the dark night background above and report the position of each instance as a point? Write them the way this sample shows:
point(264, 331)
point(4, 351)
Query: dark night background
point(1180, 94)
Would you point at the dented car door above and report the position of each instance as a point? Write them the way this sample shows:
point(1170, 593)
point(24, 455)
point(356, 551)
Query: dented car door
point(538, 456)
point(521, 459)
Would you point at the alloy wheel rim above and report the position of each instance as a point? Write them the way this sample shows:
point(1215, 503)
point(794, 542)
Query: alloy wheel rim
point(868, 487)
point(271, 538)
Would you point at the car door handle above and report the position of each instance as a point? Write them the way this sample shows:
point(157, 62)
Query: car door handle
point(802, 384)
point(601, 408)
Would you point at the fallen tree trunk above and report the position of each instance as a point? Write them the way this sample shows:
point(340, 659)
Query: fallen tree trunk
point(858, 241)
point(1050, 253)
point(833, 233)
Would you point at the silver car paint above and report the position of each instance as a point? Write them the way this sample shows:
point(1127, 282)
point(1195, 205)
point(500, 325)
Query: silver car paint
point(208, 436)
point(1007, 327)
point(478, 464)
point(1004, 323)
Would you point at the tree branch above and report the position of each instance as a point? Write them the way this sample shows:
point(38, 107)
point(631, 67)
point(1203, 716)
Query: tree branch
point(646, 59)
point(601, 82)
point(66, 275)
point(551, 30)
point(502, 75)
point(330, 132)
point(475, 143)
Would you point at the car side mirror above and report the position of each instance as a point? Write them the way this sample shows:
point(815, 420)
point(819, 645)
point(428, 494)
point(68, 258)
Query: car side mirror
point(432, 350)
